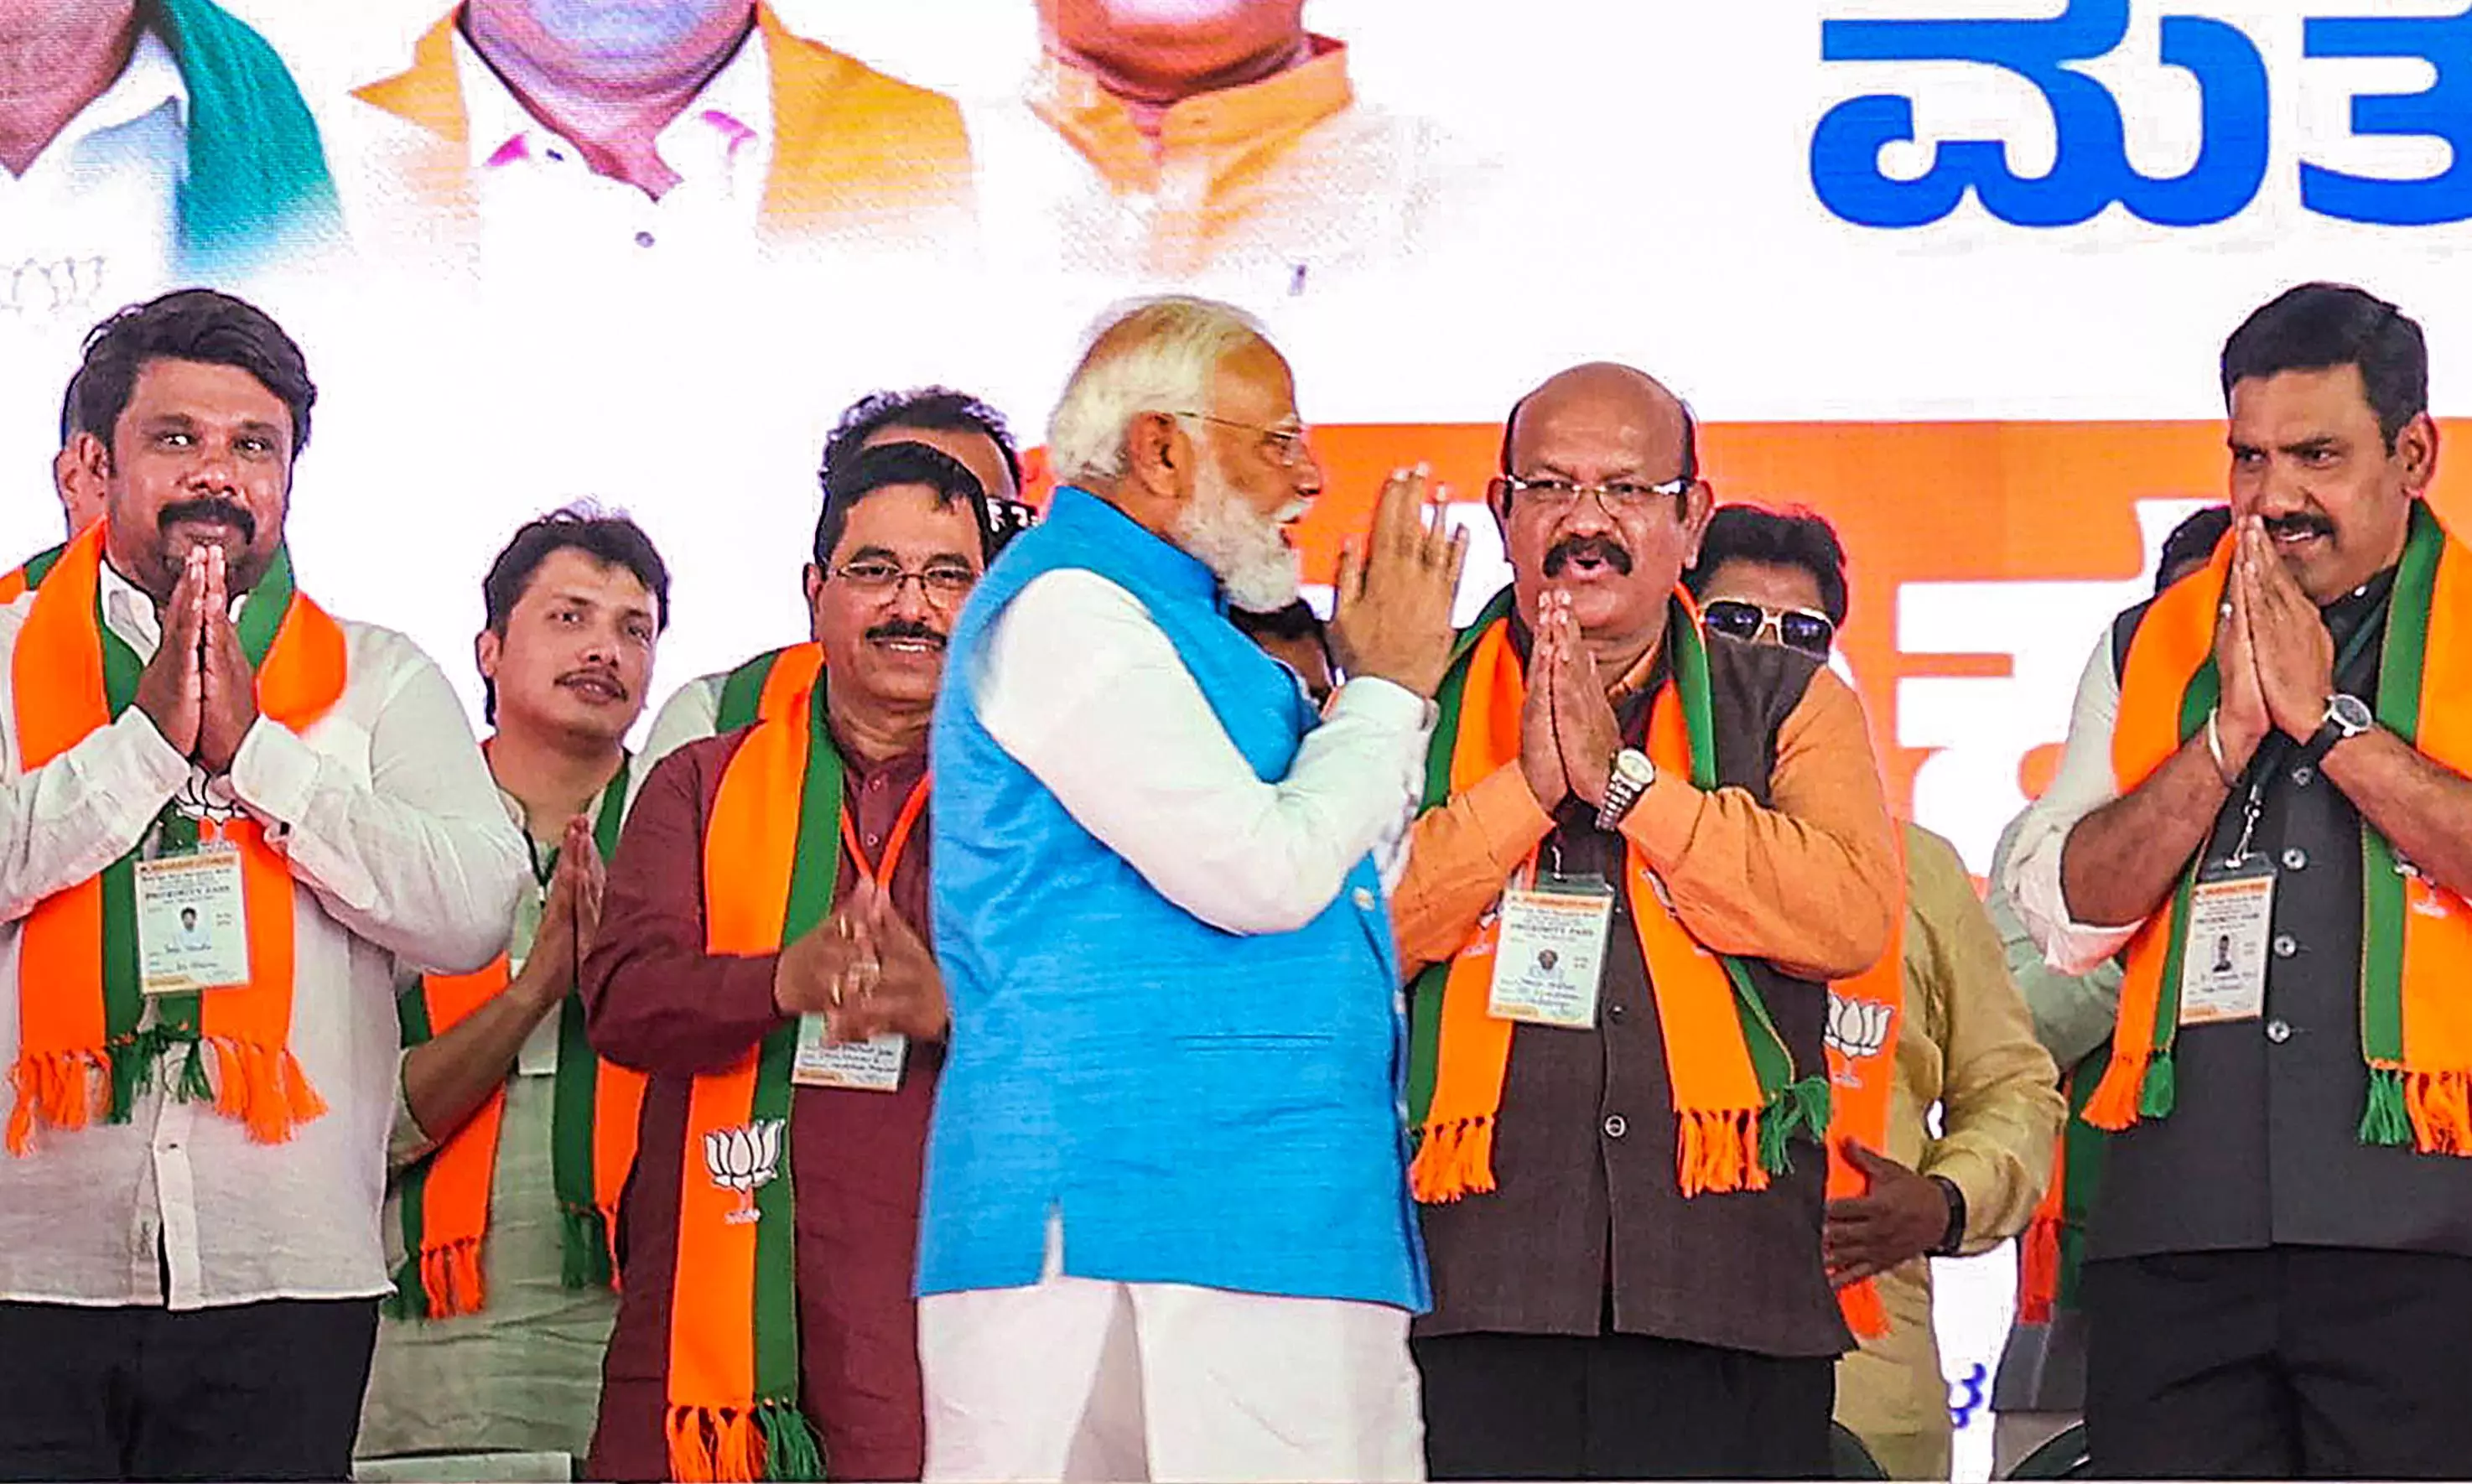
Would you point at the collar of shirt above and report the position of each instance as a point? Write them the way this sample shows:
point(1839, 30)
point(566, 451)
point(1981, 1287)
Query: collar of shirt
point(713, 142)
point(1223, 132)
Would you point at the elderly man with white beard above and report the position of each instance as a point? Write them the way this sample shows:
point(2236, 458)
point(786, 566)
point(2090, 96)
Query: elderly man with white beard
point(1166, 1231)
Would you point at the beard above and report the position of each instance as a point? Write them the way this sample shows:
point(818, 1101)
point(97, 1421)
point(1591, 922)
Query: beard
point(1242, 548)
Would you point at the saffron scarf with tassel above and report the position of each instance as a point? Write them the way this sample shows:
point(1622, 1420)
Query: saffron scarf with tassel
point(772, 857)
point(444, 1197)
point(2416, 937)
point(85, 1050)
point(1738, 1097)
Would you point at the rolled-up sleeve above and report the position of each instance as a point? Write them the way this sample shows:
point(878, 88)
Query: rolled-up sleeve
point(1807, 881)
point(2083, 784)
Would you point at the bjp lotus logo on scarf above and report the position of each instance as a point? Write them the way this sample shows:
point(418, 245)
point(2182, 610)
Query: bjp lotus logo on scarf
point(744, 1159)
point(1857, 1030)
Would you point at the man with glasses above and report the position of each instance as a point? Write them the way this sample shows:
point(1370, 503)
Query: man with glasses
point(1966, 1041)
point(950, 422)
point(1628, 1270)
point(1166, 1233)
point(763, 957)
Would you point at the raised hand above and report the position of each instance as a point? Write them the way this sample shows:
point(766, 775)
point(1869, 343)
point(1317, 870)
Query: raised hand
point(228, 705)
point(1392, 616)
point(2295, 655)
point(1540, 750)
point(2240, 719)
point(1585, 731)
point(561, 941)
point(817, 969)
point(171, 689)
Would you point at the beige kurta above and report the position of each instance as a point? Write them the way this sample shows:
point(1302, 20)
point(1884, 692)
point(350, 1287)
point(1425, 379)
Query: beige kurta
point(1968, 1044)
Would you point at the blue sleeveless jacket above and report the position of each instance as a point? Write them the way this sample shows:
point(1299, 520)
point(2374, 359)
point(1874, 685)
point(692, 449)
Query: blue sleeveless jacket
point(1199, 1107)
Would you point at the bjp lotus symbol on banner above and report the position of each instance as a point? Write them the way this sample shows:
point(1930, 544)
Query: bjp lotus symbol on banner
point(1857, 1028)
point(744, 1159)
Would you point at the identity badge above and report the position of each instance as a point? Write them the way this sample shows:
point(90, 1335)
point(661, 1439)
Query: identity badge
point(192, 922)
point(872, 1065)
point(1550, 957)
point(2222, 960)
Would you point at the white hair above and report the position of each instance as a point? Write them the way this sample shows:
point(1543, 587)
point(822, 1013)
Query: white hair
point(1154, 355)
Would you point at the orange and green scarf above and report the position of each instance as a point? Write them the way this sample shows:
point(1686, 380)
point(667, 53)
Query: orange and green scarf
point(1865, 1013)
point(1737, 1095)
point(84, 1049)
point(444, 1198)
point(2416, 937)
point(26, 579)
point(772, 857)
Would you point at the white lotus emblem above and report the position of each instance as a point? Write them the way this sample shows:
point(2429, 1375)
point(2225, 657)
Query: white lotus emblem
point(744, 1159)
point(1857, 1028)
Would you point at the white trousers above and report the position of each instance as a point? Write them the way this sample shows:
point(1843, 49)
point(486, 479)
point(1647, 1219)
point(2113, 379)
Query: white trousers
point(1078, 1379)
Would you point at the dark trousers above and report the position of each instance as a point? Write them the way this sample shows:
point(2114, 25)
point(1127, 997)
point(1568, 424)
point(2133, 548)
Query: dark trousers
point(255, 1391)
point(2286, 1362)
point(1620, 1407)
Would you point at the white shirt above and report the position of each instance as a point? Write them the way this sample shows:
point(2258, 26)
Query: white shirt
point(92, 223)
point(398, 847)
point(690, 713)
point(541, 205)
point(1082, 686)
point(2083, 784)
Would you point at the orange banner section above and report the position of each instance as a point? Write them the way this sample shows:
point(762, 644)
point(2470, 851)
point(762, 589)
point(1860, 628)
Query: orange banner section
point(1929, 503)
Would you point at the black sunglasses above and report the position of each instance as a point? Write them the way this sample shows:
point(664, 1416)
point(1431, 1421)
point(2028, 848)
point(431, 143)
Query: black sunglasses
point(1797, 628)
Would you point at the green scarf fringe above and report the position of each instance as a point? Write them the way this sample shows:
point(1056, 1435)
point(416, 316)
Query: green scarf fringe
point(790, 1450)
point(2385, 1121)
point(1799, 1108)
point(409, 1300)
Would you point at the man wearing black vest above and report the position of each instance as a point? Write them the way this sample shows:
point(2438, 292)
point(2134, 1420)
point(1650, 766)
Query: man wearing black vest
point(1617, 1153)
point(2279, 1272)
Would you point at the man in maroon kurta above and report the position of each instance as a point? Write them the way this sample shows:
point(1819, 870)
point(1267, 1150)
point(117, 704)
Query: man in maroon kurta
point(660, 1002)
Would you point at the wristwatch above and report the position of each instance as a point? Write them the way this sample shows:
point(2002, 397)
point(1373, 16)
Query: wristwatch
point(1632, 773)
point(2346, 717)
point(1954, 1236)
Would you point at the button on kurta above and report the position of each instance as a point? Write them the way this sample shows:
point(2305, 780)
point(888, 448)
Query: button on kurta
point(2295, 858)
point(1616, 1125)
point(2278, 1032)
point(1364, 899)
point(2285, 945)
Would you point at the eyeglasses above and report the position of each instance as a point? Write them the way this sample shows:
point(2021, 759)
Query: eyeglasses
point(1286, 443)
point(1618, 497)
point(1797, 628)
point(944, 587)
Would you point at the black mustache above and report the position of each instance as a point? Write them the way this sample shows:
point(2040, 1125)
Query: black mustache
point(1572, 548)
point(2302, 523)
point(906, 628)
point(607, 678)
point(202, 511)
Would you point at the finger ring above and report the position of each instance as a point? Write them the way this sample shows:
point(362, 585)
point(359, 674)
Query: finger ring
point(2226, 611)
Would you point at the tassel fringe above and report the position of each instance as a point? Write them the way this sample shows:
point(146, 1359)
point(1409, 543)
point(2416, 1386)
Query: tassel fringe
point(790, 1450)
point(1719, 1152)
point(740, 1444)
point(2386, 1123)
point(2439, 1104)
point(1454, 1161)
point(2114, 1104)
point(57, 1089)
point(264, 1089)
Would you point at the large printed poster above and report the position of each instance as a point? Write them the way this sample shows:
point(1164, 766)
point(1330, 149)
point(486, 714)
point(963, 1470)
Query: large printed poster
point(1952, 272)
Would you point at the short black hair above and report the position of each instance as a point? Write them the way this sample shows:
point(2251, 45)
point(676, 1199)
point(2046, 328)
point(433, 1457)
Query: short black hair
point(2193, 540)
point(934, 409)
point(892, 466)
point(189, 324)
point(1776, 539)
point(70, 425)
point(2318, 326)
point(613, 540)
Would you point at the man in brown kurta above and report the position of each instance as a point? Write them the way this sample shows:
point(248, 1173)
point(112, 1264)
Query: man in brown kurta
point(904, 535)
point(1590, 1320)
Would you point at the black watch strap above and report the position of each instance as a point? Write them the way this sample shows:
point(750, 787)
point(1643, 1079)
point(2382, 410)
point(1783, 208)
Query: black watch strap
point(1953, 1239)
point(2321, 742)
